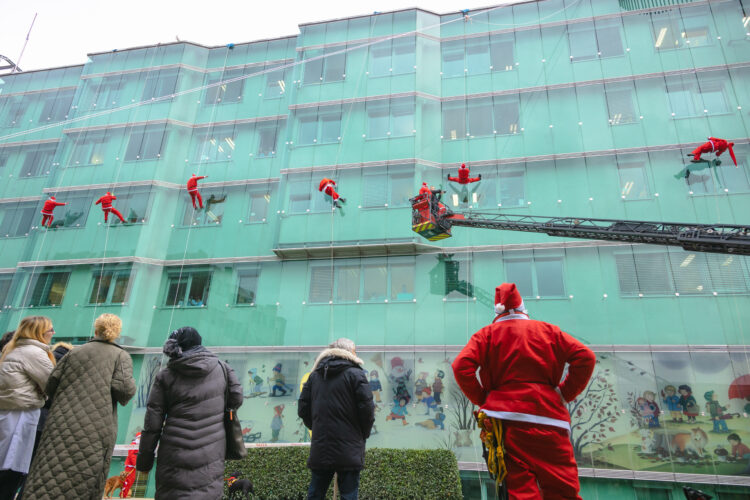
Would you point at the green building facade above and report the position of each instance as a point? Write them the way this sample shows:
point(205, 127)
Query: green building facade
point(566, 107)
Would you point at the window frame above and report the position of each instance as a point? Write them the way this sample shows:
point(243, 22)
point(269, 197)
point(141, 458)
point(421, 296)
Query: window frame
point(535, 277)
point(361, 265)
point(255, 272)
point(188, 276)
point(462, 112)
point(49, 276)
point(146, 135)
point(38, 165)
point(30, 209)
point(115, 273)
point(189, 211)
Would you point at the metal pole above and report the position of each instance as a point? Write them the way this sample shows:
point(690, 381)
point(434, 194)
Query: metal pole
point(18, 59)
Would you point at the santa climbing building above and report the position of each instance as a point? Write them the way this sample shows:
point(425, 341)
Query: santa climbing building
point(328, 186)
point(521, 363)
point(192, 188)
point(48, 209)
point(106, 202)
point(714, 145)
point(463, 176)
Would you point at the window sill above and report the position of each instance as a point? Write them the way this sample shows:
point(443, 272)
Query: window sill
point(245, 306)
point(315, 144)
point(723, 113)
point(368, 138)
point(481, 136)
point(491, 72)
point(264, 157)
point(39, 176)
point(210, 162)
point(183, 307)
point(7, 237)
point(648, 198)
point(311, 84)
point(361, 302)
point(120, 224)
point(256, 222)
point(207, 105)
point(573, 59)
point(196, 226)
point(384, 207)
point(85, 165)
point(121, 304)
point(389, 74)
point(41, 307)
point(141, 160)
point(634, 122)
point(60, 228)
point(722, 193)
point(683, 47)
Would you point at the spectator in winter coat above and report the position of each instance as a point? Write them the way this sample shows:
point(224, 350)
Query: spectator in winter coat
point(336, 404)
point(73, 457)
point(185, 415)
point(25, 366)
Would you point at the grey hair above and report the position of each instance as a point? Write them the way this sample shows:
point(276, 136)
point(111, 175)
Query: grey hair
point(343, 343)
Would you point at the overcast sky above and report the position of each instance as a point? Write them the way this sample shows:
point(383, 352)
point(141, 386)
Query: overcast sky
point(66, 30)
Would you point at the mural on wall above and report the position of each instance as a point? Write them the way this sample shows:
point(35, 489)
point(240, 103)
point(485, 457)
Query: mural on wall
point(661, 411)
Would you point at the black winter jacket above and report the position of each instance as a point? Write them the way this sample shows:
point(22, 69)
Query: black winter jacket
point(336, 404)
point(187, 398)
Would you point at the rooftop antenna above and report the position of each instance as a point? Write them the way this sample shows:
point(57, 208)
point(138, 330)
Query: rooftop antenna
point(18, 60)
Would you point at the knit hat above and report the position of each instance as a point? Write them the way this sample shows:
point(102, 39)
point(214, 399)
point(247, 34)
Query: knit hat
point(181, 340)
point(277, 368)
point(440, 374)
point(396, 362)
point(507, 298)
point(709, 395)
point(374, 373)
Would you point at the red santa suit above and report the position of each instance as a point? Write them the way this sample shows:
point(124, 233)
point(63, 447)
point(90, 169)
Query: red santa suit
point(463, 176)
point(425, 189)
point(714, 145)
point(130, 467)
point(521, 363)
point(192, 187)
point(48, 209)
point(328, 186)
point(106, 202)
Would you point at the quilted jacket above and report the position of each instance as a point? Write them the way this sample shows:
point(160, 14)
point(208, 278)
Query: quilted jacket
point(73, 457)
point(23, 376)
point(185, 416)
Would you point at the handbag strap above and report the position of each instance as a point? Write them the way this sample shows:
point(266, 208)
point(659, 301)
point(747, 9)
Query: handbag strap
point(226, 379)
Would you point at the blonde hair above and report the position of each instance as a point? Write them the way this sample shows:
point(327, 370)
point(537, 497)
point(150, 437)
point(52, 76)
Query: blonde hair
point(107, 327)
point(30, 327)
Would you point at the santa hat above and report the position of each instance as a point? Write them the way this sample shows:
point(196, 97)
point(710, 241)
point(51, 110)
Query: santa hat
point(463, 165)
point(52, 198)
point(507, 298)
point(396, 362)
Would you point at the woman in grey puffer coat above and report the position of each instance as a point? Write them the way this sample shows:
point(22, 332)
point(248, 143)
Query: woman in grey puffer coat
point(186, 413)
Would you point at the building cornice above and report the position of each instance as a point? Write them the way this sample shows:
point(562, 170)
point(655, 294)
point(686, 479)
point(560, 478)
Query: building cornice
point(176, 123)
point(157, 183)
point(39, 91)
point(197, 69)
point(21, 144)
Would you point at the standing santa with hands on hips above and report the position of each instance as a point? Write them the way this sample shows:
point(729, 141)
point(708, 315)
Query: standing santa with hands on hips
point(522, 396)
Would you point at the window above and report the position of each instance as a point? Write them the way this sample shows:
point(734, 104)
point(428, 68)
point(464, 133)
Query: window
point(188, 288)
point(133, 203)
point(38, 162)
point(679, 29)
point(4, 156)
point(537, 276)
point(458, 278)
point(300, 195)
point(643, 273)
point(6, 280)
point(267, 137)
point(146, 144)
point(390, 118)
point(502, 56)
point(395, 56)
point(259, 206)
point(11, 114)
point(46, 288)
point(56, 106)
point(590, 40)
point(480, 117)
point(275, 84)
point(651, 494)
point(88, 149)
point(159, 84)
point(478, 55)
point(633, 181)
point(504, 189)
point(75, 213)
point(247, 286)
point(111, 286)
point(323, 126)
point(621, 106)
point(105, 94)
point(371, 280)
point(453, 58)
point(391, 188)
point(324, 68)
point(222, 90)
point(212, 212)
point(214, 145)
point(16, 219)
point(724, 176)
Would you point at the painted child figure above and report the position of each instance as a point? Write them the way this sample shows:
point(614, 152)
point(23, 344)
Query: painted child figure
point(399, 411)
point(437, 386)
point(653, 409)
point(716, 411)
point(688, 403)
point(433, 423)
point(276, 422)
point(328, 186)
point(670, 398)
point(48, 211)
point(257, 383)
point(421, 389)
point(192, 188)
point(740, 451)
point(106, 202)
point(279, 381)
point(375, 386)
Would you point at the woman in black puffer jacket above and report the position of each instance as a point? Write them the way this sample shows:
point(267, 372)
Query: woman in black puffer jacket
point(187, 399)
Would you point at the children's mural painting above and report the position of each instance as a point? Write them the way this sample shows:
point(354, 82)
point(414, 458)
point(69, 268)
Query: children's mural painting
point(655, 411)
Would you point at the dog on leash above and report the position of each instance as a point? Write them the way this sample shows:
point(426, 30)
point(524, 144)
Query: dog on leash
point(236, 485)
point(114, 483)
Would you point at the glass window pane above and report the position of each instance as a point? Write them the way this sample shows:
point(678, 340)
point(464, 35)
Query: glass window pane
point(621, 106)
point(549, 277)
point(375, 190)
point(375, 282)
point(518, 271)
point(330, 127)
point(267, 141)
point(120, 293)
point(633, 181)
point(74, 214)
point(313, 72)
point(734, 178)
point(502, 56)
point(380, 58)
point(299, 195)
point(480, 117)
point(321, 284)
point(402, 282)
point(199, 285)
point(454, 121)
point(701, 182)
point(458, 279)
point(402, 188)
point(335, 67)
point(275, 84)
point(713, 98)
point(17, 219)
point(695, 29)
point(609, 40)
point(347, 283)
point(404, 55)
point(378, 119)
point(512, 189)
point(453, 58)
point(176, 290)
point(403, 119)
point(681, 101)
point(582, 39)
point(308, 130)
point(665, 33)
point(100, 290)
point(478, 55)
point(259, 206)
point(247, 286)
point(506, 116)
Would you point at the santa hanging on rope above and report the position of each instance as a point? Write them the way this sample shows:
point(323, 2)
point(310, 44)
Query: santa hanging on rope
point(48, 211)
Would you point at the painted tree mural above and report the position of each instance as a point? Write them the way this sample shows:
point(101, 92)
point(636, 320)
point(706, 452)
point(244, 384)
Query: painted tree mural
point(594, 412)
point(148, 375)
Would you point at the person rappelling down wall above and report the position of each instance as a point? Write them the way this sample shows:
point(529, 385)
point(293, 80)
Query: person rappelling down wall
point(521, 399)
point(328, 186)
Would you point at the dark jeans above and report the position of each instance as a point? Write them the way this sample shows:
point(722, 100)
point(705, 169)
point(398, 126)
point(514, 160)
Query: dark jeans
point(10, 480)
point(348, 481)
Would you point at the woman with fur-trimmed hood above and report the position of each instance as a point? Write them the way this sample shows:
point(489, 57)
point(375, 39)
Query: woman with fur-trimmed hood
point(336, 404)
point(73, 457)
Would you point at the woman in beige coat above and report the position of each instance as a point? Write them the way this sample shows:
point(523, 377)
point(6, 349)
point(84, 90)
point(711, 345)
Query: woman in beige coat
point(73, 457)
point(25, 366)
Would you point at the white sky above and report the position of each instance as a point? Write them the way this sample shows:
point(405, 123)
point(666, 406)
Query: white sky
point(66, 30)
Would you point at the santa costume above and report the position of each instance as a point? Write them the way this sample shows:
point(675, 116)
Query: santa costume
point(714, 145)
point(106, 202)
point(192, 187)
point(48, 209)
point(328, 186)
point(521, 363)
point(130, 466)
point(463, 176)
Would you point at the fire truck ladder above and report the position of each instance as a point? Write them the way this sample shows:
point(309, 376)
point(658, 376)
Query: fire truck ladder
point(718, 238)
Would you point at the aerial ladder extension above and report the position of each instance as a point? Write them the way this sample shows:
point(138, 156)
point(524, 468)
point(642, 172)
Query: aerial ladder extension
point(433, 220)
